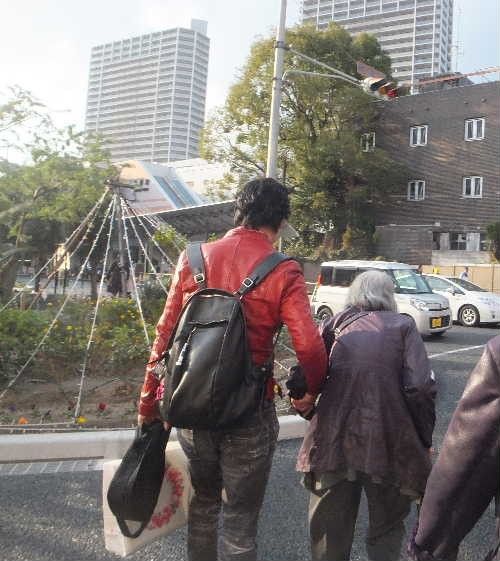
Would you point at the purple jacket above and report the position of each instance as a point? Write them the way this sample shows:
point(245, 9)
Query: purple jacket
point(376, 412)
point(466, 475)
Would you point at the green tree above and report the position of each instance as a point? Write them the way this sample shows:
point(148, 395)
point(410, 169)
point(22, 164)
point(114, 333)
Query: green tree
point(335, 184)
point(222, 189)
point(42, 200)
point(171, 241)
point(493, 235)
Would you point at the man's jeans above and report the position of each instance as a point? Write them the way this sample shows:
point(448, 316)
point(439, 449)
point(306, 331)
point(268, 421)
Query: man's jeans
point(332, 518)
point(229, 469)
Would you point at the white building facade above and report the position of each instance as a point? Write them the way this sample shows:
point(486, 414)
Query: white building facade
point(417, 34)
point(146, 95)
point(155, 188)
point(200, 175)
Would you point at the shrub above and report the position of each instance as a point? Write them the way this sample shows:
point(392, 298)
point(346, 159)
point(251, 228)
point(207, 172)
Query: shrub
point(19, 334)
point(153, 298)
point(118, 344)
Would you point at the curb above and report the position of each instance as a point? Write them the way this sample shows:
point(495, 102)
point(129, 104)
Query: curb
point(98, 444)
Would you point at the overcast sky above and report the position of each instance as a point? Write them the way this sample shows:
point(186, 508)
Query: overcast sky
point(45, 44)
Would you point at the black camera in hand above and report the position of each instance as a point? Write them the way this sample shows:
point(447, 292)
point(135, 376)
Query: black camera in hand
point(297, 388)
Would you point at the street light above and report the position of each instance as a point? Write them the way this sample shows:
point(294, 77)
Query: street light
point(278, 77)
point(375, 86)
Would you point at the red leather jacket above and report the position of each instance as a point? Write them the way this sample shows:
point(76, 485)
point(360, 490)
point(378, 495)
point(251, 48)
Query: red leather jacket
point(281, 298)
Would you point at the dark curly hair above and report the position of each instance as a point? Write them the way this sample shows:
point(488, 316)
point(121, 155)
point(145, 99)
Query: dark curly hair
point(262, 202)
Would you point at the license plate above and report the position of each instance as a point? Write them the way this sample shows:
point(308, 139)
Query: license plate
point(436, 322)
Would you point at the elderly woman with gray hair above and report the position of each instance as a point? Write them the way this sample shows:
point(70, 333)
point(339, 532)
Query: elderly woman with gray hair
point(373, 426)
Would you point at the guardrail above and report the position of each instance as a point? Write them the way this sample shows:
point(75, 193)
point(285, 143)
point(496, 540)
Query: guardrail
point(97, 444)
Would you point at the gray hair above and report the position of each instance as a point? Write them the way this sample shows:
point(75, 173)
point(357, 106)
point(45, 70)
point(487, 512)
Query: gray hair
point(372, 291)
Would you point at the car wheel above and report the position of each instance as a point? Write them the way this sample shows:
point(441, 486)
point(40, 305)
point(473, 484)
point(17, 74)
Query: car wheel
point(324, 314)
point(469, 316)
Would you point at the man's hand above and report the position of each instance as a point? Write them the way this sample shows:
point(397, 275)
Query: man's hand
point(304, 405)
point(143, 420)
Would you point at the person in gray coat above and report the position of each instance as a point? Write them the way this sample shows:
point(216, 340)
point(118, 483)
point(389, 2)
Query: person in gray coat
point(373, 426)
point(466, 475)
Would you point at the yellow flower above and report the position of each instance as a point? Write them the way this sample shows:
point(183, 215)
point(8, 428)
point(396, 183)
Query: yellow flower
point(69, 327)
point(81, 420)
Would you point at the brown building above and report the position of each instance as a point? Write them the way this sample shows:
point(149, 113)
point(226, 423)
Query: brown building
point(450, 142)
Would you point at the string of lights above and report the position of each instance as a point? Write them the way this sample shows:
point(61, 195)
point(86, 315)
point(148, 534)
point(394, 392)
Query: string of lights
point(94, 316)
point(132, 273)
point(61, 309)
point(88, 220)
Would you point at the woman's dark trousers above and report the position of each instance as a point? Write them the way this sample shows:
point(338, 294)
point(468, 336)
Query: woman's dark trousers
point(333, 513)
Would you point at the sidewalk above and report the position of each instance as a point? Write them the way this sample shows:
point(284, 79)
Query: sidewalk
point(57, 517)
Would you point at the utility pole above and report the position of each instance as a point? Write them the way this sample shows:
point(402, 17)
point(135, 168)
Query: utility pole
point(371, 85)
point(274, 124)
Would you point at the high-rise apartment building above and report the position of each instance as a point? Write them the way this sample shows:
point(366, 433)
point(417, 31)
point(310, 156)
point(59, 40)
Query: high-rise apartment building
point(417, 34)
point(146, 95)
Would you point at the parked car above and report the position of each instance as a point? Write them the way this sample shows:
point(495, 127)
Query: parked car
point(414, 297)
point(470, 304)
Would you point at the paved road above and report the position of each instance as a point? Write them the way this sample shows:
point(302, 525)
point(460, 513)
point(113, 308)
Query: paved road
point(57, 517)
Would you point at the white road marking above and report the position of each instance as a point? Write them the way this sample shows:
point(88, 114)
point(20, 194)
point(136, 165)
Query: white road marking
point(457, 351)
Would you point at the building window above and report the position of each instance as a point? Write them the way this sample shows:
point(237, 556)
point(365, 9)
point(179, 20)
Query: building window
point(458, 241)
point(368, 142)
point(484, 243)
point(474, 129)
point(473, 187)
point(418, 135)
point(416, 190)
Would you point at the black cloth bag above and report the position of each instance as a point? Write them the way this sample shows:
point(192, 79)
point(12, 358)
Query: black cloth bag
point(134, 489)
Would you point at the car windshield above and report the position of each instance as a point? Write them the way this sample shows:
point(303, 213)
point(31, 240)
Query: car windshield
point(406, 281)
point(466, 285)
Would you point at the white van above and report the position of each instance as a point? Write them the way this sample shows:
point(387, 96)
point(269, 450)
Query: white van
point(414, 297)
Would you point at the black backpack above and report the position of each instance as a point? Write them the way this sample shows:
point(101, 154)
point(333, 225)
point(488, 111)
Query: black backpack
point(210, 381)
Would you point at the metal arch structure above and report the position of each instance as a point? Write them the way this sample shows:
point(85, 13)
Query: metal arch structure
point(198, 222)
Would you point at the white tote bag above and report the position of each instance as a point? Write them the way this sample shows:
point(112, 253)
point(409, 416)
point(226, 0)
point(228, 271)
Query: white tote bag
point(171, 510)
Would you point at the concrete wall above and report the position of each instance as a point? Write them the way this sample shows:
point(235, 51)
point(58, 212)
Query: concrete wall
point(447, 257)
point(406, 244)
point(311, 269)
point(98, 444)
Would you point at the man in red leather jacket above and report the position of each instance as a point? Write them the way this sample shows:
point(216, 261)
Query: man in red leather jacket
point(239, 459)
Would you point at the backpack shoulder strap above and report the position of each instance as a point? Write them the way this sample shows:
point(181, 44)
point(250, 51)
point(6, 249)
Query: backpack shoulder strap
point(196, 264)
point(261, 271)
point(351, 319)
